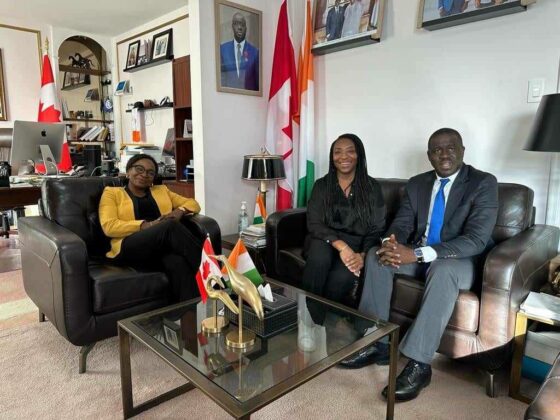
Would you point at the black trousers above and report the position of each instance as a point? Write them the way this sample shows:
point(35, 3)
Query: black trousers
point(168, 246)
point(325, 275)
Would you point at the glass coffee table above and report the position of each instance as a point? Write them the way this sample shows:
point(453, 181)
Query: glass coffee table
point(244, 381)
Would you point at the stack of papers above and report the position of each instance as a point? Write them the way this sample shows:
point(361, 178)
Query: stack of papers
point(254, 236)
point(542, 305)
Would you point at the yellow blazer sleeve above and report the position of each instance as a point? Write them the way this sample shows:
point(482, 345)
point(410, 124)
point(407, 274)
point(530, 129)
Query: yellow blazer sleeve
point(179, 201)
point(114, 226)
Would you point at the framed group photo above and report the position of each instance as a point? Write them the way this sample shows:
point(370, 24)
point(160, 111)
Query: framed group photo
point(162, 45)
point(439, 14)
point(238, 48)
point(3, 111)
point(343, 24)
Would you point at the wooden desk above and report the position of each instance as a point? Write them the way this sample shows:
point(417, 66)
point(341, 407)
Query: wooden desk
point(13, 197)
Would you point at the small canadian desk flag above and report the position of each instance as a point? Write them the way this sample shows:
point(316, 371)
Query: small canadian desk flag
point(49, 109)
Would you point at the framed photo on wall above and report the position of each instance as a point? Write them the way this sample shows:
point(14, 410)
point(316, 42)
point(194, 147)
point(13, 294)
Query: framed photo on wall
point(238, 48)
point(132, 54)
point(439, 14)
point(3, 110)
point(342, 24)
point(162, 45)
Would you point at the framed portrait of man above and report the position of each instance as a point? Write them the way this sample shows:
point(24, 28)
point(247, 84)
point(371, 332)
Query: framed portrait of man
point(343, 24)
point(3, 111)
point(238, 48)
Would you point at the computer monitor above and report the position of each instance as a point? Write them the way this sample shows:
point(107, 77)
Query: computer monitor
point(28, 138)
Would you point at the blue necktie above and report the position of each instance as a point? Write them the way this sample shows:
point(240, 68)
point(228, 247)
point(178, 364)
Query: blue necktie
point(436, 222)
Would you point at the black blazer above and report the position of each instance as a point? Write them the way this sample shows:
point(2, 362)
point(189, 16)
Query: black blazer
point(470, 213)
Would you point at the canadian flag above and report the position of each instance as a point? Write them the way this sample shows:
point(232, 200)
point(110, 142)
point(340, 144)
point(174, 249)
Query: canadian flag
point(49, 109)
point(282, 106)
point(208, 266)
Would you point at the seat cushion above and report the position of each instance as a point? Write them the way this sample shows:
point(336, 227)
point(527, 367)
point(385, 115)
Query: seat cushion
point(120, 287)
point(407, 297)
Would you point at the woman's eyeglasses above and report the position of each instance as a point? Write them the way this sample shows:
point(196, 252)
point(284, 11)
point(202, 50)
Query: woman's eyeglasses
point(141, 170)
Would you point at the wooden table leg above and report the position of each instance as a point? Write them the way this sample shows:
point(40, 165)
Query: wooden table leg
point(393, 356)
point(519, 346)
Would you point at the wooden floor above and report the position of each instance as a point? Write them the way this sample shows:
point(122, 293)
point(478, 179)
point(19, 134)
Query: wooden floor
point(15, 307)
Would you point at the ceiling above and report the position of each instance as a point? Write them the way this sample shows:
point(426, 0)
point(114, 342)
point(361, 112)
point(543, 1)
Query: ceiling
point(102, 17)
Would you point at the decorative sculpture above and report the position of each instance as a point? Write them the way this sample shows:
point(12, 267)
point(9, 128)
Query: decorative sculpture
point(216, 323)
point(245, 290)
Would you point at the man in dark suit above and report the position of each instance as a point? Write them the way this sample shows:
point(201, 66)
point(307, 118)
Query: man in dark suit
point(335, 20)
point(239, 59)
point(445, 221)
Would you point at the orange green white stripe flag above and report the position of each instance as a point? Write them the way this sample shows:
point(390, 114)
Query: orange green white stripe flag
point(306, 115)
point(242, 262)
point(260, 210)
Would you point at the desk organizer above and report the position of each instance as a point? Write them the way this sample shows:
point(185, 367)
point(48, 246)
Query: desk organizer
point(279, 315)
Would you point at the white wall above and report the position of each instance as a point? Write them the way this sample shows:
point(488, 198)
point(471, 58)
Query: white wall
point(229, 125)
point(22, 69)
point(471, 77)
point(150, 83)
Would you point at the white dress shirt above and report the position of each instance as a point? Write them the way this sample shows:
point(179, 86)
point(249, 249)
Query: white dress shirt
point(235, 44)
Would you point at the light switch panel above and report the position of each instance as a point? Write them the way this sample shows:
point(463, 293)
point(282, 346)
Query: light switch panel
point(535, 91)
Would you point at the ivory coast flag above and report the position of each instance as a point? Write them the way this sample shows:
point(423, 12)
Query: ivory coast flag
point(306, 115)
point(242, 262)
point(260, 210)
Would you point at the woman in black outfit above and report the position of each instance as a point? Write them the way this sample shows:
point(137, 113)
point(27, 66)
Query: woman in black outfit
point(345, 218)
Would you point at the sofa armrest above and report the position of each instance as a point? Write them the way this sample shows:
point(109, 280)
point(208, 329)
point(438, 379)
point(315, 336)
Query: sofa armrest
point(284, 229)
point(203, 225)
point(55, 275)
point(512, 269)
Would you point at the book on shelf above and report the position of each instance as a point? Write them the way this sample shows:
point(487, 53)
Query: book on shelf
point(542, 305)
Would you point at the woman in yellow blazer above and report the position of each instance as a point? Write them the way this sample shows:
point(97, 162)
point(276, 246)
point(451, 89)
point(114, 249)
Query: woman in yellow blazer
point(144, 223)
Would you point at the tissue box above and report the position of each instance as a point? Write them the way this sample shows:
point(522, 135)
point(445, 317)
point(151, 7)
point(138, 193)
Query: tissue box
point(279, 315)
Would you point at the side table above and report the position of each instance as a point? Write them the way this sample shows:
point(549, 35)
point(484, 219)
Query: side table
point(519, 347)
point(258, 255)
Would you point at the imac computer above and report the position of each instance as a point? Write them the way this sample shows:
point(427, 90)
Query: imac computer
point(39, 142)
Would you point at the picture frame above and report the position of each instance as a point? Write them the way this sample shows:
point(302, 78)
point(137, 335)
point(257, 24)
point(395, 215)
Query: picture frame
point(433, 14)
point(132, 54)
point(67, 80)
point(162, 45)
point(144, 52)
point(241, 72)
point(343, 24)
point(172, 335)
point(3, 110)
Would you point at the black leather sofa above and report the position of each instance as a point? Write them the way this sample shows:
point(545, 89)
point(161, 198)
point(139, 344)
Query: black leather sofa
point(482, 325)
point(65, 271)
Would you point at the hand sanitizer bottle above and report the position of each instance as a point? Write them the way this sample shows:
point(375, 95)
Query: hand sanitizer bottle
point(243, 222)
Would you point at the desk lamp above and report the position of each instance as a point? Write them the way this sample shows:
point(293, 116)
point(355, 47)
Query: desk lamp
point(263, 167)
point(545, 133)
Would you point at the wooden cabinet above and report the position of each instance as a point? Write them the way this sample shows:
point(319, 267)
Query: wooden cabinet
point(182, 111)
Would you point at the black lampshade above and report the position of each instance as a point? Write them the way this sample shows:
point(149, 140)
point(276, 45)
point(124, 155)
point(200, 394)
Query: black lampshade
point(263, 167)
point(545, 134)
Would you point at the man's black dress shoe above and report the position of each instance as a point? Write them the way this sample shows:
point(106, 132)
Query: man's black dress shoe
point(376, 353)
point(412, 379)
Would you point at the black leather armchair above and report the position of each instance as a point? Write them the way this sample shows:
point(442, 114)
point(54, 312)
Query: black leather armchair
point(65, 271)
point(482, 325)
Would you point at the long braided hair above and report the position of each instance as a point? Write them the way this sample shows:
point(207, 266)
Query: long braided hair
point(362, 189)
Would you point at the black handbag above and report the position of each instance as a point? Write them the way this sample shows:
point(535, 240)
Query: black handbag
point(5, 172)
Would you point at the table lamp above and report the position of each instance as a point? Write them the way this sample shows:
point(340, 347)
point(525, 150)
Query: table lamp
point(263, 167)
point(545, 133)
